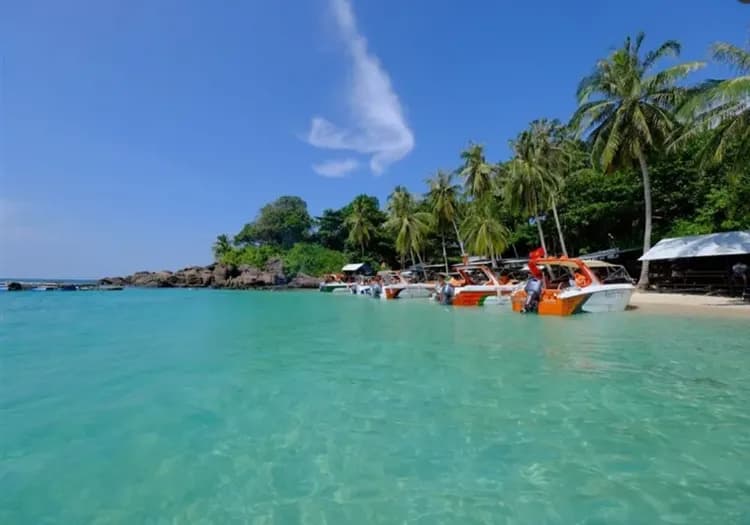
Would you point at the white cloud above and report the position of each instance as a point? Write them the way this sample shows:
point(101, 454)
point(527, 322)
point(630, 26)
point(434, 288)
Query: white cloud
point(379, 128)
point(336, 168)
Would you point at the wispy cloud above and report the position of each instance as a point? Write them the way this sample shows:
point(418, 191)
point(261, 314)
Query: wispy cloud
point(378, 127)
point(336, 168)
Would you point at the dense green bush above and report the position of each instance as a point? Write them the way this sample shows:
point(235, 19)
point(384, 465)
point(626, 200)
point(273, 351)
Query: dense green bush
point(312, 259)
point(253, 255)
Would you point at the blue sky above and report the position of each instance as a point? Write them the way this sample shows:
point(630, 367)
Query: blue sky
point(133, 132)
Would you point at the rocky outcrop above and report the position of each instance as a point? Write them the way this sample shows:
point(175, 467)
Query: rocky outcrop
point(304, 281)
point(216, 275)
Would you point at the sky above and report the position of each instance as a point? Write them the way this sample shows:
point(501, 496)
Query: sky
point(133, 132)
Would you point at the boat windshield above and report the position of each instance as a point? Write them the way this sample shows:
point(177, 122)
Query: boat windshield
point(612, 274)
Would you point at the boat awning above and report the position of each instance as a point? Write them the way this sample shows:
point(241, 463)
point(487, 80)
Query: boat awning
point(353, 267)
point(713, 244)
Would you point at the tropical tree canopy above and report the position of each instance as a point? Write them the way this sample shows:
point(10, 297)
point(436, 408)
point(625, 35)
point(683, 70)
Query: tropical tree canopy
point(485, 233)
point(360, 223)
point(723, 106)
point(476, 172)
point(282, 223)
point(626, 108)
point(410, 226)
point(221, 246)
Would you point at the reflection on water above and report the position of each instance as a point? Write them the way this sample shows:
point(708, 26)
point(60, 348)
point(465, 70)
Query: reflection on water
point(307, 408)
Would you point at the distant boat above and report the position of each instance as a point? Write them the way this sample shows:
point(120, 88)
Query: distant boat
point(44, 288)
point(68, 287)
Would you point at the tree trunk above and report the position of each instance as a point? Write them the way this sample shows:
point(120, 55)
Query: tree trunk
point(402, 260)
point(445, 253)
point(411, 253)
point(559, 230)
point(643, 280)
point(541, 234)
point(458, 236)
point(362, 246)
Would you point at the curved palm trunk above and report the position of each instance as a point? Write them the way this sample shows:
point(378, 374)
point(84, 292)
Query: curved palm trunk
point(445, 253)
point(362, 246)
point(643, 279)
point(541, 234)
point(458, 236)
point(559, 230)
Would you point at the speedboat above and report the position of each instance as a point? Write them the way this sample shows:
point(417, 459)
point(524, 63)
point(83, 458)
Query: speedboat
point(477, 285)
point(572, 286)
point(398, 286)
point(334, 284)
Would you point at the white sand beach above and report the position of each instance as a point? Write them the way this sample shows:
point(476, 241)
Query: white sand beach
point(690, 304)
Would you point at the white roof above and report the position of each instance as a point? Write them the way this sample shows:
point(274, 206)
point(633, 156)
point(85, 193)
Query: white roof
point(728, 243)
point(352, 267)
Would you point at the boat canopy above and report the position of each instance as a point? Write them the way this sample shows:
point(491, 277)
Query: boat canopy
point(713, 244)
point(352, 267)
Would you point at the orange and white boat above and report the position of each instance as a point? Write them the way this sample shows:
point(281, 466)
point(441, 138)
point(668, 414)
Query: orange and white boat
point(477, 285)
point(572, 286)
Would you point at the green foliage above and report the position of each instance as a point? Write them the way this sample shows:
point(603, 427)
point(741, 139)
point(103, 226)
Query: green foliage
point(331, 232)
point(221, 246)
point(312, 259)
point(251, 255)
point(281, 223)
point(476, 172)
point(485, 233)
point(361, 220)
point(410, 225)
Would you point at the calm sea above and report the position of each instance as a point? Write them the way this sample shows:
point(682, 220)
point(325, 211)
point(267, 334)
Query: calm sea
point(178, 406)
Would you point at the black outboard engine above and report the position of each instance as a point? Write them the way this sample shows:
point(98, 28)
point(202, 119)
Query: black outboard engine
point(533, 291)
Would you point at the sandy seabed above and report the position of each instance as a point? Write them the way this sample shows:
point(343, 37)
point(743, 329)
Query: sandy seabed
point(690, 304)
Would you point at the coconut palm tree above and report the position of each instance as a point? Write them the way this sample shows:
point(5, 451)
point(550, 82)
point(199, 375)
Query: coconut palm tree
point(221, 246)
point(545, 148)
point(476, 172)
point(723, 106)
point(443, 201)
point(411, 226)
point(361, 228)
point(485, 234)
point(627, 110)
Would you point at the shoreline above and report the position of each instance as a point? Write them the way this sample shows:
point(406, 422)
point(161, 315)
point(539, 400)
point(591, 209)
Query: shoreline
point(691, 305)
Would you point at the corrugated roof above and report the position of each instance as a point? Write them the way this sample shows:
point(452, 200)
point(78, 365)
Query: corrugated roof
point(728, 243)
point(352, 267)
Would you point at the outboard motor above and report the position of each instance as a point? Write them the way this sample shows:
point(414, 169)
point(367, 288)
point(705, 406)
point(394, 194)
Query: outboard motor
point(376, 291)
point(533, 291)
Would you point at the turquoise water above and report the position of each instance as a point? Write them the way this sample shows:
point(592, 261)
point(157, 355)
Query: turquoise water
point(177, 406)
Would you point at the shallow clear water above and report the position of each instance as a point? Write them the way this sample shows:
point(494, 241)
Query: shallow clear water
point(177, 406)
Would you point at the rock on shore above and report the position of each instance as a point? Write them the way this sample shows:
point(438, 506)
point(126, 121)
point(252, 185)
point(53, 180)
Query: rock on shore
point(217, 275)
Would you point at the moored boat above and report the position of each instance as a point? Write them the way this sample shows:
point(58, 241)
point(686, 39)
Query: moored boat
point(477, 285)
point(563, 287)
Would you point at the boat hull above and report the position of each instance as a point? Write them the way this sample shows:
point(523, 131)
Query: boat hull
point(408, 292)
point(592, 299)
point(482, 295)
point(335, 288)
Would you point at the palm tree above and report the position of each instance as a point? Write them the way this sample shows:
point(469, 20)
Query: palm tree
point(221, 246)
point(411, 226)
point(628, 111)
point(361, 228)
point(443, 201)
point(723, 106)
point(485, 234)
point(476, 172)
point(545, 149)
